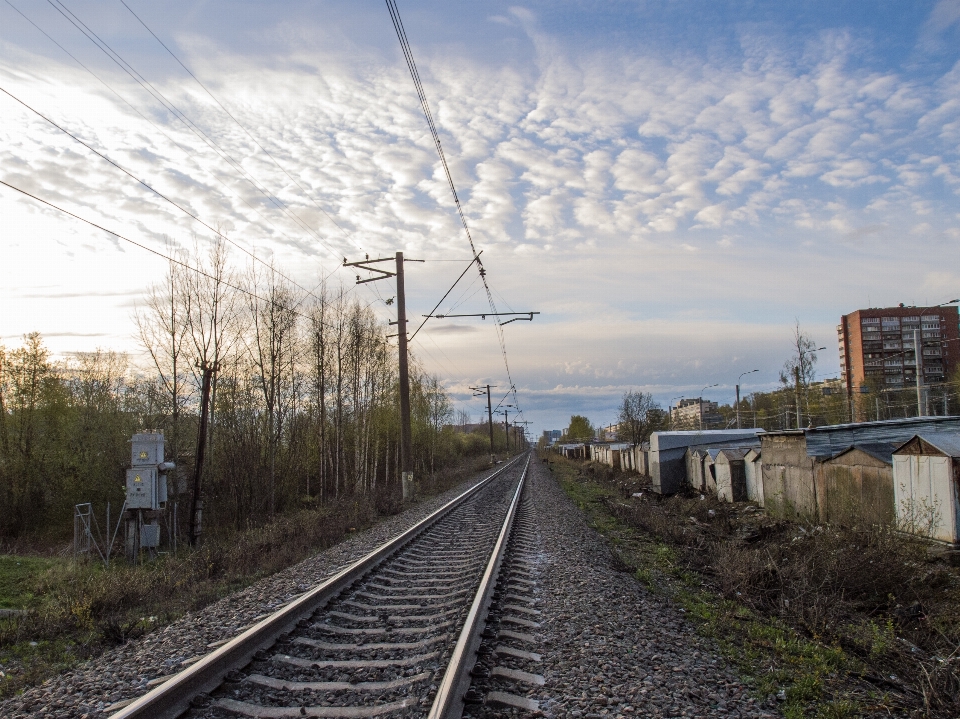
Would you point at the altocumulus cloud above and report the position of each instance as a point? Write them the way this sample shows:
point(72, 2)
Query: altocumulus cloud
point(667, 163)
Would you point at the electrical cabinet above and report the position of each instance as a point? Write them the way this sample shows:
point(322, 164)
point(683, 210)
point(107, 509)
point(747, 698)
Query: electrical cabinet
point(150, 536)
point(143, 491)
point(146, 448)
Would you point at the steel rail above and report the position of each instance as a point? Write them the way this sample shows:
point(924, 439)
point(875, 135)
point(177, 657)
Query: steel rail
point(172, 698)
point(448, 703)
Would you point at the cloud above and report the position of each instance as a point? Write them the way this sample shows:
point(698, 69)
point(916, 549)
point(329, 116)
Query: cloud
point(48, 335)
point(615, 172)
point(85, 293)
point(451, 329)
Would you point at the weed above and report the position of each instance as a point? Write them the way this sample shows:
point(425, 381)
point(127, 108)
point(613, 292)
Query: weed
point(77, 610)
point(839, 709)
point(840, 618)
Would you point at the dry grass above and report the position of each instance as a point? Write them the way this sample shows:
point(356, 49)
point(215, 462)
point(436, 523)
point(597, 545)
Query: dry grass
point(79, 610)
point(889, 603)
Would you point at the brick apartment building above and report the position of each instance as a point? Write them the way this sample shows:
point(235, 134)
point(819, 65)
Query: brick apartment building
point(878, 345)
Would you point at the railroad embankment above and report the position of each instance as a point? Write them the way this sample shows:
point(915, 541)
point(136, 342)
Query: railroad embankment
point(833, 621)
point(59, 612)
point(611, 648)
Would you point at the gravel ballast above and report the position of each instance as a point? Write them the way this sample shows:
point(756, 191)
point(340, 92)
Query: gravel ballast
point(610, 647)
point(104, 684)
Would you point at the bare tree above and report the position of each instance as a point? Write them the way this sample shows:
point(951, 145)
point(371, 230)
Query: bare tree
point(211, 309)
point(799, 370)
point(272, 346)
point(638, 416)
point(163, 332)
point(439, 413)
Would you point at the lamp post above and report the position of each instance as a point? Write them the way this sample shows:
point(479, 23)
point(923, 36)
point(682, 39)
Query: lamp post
point(677, 408)
point(738, 392)
point(918, 354)
point(796, 372)
point(700, 402)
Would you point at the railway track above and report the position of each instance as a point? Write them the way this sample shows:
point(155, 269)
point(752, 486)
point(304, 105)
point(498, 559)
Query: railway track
point(395, 634)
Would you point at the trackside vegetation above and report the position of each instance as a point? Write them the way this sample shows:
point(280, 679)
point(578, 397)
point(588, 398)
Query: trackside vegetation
point(832, 621)
point(302, 447)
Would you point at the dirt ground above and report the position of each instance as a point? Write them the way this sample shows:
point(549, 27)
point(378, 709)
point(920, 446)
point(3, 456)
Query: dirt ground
point(857, 620)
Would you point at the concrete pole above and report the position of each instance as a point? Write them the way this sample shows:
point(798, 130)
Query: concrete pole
point(490, 419)
point(197, 505)
point(506, 428)
point(738, 406)
point(796, 372)
point(918, 353)
point(406, 438)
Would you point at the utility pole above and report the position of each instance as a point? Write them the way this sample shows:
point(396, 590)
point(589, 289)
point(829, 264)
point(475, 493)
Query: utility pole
point(196, 509)
point(522, 439)
point(479, 392)
point(506, 428)
point(490, 419)
point(918, 355)
point(700, 402)
point(406, 436)
point(796, 391)
point(738, 392)
point(406, 440)
point(506, 423)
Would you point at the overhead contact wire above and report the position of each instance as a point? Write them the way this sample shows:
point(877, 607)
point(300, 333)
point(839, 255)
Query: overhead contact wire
point(425, 106)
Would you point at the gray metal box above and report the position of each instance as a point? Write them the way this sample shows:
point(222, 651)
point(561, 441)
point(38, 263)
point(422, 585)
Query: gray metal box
point(150, 535)
point(146, 448)
point(142, 488)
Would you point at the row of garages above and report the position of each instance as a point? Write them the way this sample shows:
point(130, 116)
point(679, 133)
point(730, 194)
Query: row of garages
point(902, 472)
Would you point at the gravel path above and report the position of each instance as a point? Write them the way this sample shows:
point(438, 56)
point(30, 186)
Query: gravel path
point(110, 681)
point(609, 646)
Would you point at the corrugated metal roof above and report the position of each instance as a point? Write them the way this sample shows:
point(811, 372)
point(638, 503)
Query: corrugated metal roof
point(745, 445)
point(882, 451)
point(660, 441)
point(946, 442)
point(731, 454)
point(827, 441)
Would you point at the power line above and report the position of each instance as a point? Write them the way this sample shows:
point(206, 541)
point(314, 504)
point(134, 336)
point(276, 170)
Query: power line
point(444, 297)
point(152, 251)
point(181, 116)
point(175, 261)
point(425, 106)
point(186, 152)
point(154, 190)
point(232, 117)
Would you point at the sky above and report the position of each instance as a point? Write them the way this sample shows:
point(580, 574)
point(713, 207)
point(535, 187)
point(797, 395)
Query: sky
point(674, 186)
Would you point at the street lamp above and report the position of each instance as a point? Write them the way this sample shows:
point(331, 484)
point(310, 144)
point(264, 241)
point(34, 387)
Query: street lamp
point(918, 354)
point(796, 371)
point(700, 402)
point(738, 393)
